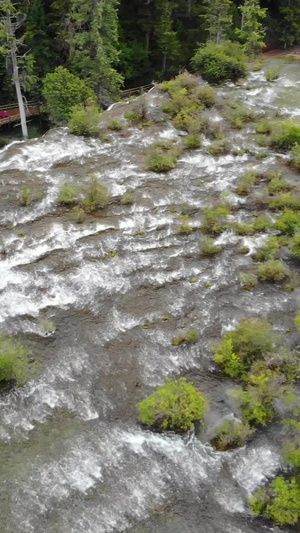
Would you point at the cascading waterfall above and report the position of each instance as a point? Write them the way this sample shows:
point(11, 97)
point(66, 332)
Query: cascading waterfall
point(116, 288)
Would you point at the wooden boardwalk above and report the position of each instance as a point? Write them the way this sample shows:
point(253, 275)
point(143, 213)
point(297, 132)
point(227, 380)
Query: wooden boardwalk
point(32, 110)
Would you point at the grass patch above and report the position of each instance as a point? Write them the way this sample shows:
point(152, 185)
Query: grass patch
point(285, 135)
point(278, 185)
point(232, 434)
point(269, 250)
point(273, 271)
point(238, 115)
point(289, 222)
point(248, 281)
point(264, 127)
point(272, 74)
point(16, 365)
point(115, 125)
point(163, 156)
point(219, 147)
point(209, 249)
point(215, 222)
point(246, 182)
point(192, 142)
point(191, 336)
point(68, 194)
point(285, 201)
point(127, 199)
point(97, 195)
point(296, 157)
point(185, 229)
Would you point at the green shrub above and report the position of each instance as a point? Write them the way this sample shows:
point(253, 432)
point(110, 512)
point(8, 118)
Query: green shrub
point(163, 157)
point(27, 196)
point(241, 228)
point(248, 281)
point(220, 62)
point(295, 245)
point(219, 147)
point(232, 434)
point(176, 406)
point(209, 248)
point(238, 115)
point(285, 200)
point(97, 196)
point(264, 127)
point(262, 223)
point(289, 222)
point(296, 156)
point(272, 271)
point(280, 502)
point(245, 182)
point(115, 125)
point(192, 142)
point(297, 321)
point(241, 347)
point(15, 362)
point(78, 214)
point(62, 92)
point(185, 229)
point(256, 401)
point(285, 135)
point(190, 336)
point(127, 199)
point(277, 185)
point(68, 194)
point(188, 120)
point(214, 220)
point(272, 74)
point(85, 119)
point(268, 250)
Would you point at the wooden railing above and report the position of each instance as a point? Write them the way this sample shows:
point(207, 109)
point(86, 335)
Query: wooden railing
point(137, 90)
point(13, 114)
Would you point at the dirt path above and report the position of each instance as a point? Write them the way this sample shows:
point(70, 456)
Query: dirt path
point(292, 50)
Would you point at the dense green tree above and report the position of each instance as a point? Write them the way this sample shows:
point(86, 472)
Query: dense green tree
point(167, 38)
point(93, 42)
point(252, 32)
point(217, 18)
point(290, 25)
point(37, 38)
point(63, 91)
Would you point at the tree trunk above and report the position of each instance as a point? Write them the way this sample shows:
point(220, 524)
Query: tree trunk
point(19, 93)
point(16, 80)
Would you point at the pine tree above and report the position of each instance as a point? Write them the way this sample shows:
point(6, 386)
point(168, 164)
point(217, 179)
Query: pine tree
point(167, 38)
point(252, 31)
point(93, 44)
point(218, 18)
point(37, 39)
point(290, 11)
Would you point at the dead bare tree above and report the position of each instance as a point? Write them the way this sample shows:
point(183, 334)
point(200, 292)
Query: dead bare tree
point(10, 22)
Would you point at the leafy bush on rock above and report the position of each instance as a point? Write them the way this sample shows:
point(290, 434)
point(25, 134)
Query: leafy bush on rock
point(175, 406)
point(232, 434)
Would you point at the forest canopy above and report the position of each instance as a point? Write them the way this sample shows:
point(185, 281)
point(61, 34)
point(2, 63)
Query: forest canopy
point(110, 44)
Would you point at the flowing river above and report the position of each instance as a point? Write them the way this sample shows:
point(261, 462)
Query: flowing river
point(117, 288)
